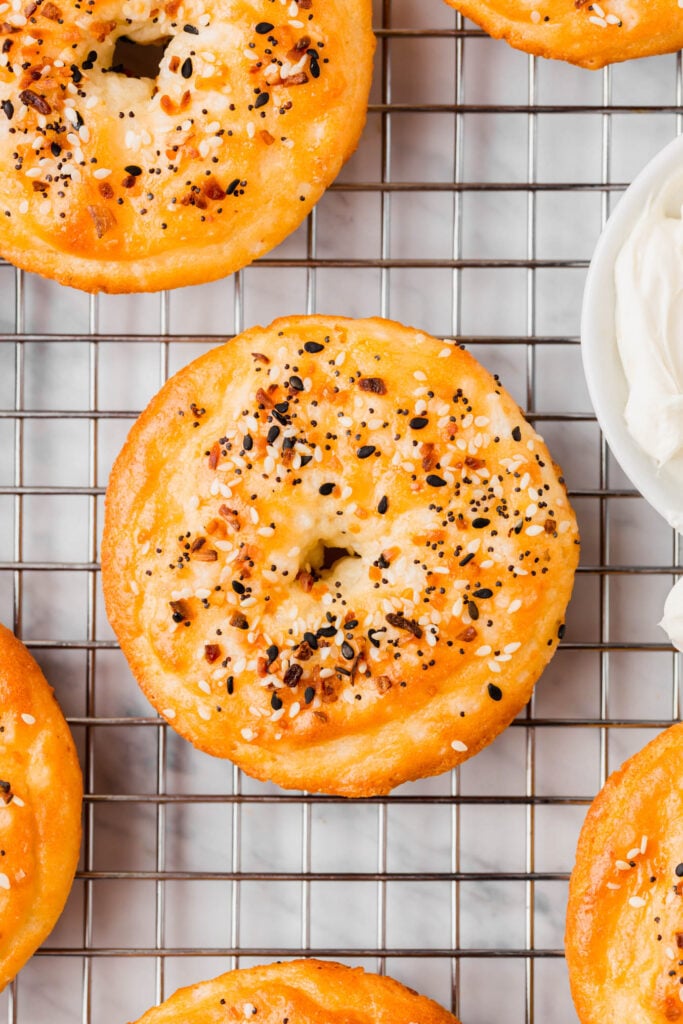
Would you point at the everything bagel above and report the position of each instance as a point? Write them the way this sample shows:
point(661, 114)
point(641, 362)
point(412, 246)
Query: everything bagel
point(120, 183)
point(335, 552)
point(580, 31)
point(624, 941)
point(40, 807)
point(301, 991)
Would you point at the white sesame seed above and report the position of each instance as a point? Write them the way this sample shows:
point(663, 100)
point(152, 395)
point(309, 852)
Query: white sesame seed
point(533, 531)
point(204, 686)
point(4, 881)
point(597, 21)
point(643, 845)
point(535, 17)
point(247, 734)
point(203, 713)
point(168, 713)
point(636, 901)
point(514, 606)
point(483, 652)
point(18, 802)
point(295, 709)
point(622, 865)
point(459, 746)
point(635, 852)
point(29, 719)
point(613, 885)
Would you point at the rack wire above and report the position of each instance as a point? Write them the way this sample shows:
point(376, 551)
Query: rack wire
point(470, 210)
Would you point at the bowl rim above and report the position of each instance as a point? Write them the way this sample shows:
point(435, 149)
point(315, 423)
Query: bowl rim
point(603, 368)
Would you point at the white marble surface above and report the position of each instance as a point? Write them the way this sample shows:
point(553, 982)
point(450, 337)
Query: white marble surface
point(201, 834)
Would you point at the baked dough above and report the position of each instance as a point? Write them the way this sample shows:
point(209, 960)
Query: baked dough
point(580, 31)
point(624, 939)
point(40, 807)
point(301, 991)
point(236, 493)
point(118, 184)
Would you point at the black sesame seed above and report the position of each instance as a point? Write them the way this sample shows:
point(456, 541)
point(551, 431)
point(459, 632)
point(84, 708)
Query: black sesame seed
point(495, 692)
point(191, 29)
point(483, 593)
point(273, 434)
point(264, 27)
point(239, 588)
point(186, 69)
point(348, 651)
point(313, 347)
point(275, 702)
point(466, 559)
point(472, 611)
point(247, 442)
point(230, 684)
point(365, 451)
point(309, 694)
point(272, 652)
point(326, 489)
point(261, 100)
point(418, 422)
point(383, 505)
point(311, 640)
point(133, 170)
point(480, 523)
point(561, 631)
point(435, 481)
point(8, 109)
point(516, 433)
point(679, 870)
point(327, 631)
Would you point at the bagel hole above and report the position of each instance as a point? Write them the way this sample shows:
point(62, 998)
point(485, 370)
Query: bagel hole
point(138, 60)
point(325, 558)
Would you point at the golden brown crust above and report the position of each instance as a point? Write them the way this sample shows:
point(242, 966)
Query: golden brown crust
point(301, 991)
point(40, 807)
point(385, 667)
point(120, 184)
point(579, 31)
point(624, 941)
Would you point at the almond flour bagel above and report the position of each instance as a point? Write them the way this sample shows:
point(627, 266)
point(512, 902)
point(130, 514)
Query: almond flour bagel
point(120, 184)
point(335, 552)
point(40, 807)
point(624, 940)
point(301, 991)
point(579, 31)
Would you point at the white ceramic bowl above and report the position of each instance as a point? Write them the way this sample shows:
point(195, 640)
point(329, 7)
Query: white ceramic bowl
point(602, 364)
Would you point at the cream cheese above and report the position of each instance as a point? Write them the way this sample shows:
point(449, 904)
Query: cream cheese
point(649, 321)
point(672, 623)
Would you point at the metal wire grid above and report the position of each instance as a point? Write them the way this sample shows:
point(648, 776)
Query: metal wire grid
point(238, 795)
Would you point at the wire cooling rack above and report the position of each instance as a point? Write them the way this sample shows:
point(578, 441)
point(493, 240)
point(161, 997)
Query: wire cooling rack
point(470, 209)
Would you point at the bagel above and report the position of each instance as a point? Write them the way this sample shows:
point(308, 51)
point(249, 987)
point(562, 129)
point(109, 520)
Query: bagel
point(335, 552)
point(40, 807)
point(118, 184)
point(581, 31)
point(624, 940)
point(301, 991)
